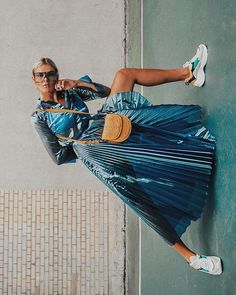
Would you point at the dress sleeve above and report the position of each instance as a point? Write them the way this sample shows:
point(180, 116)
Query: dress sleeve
point(59, 154)
point(87, 93)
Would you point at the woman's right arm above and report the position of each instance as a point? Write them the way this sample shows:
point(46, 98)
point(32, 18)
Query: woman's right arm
point(84, 87)
point(89, 90)
point(59, 154)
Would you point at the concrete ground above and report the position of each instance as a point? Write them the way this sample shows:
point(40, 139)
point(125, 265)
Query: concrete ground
point(172, 31)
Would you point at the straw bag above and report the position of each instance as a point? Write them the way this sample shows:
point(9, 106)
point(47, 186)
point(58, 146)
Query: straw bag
point(117, 127)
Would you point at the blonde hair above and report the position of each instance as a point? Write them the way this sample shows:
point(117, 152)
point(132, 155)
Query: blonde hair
point(44, 61)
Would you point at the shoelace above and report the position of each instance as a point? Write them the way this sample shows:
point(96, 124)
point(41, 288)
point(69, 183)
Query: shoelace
point(192, 66)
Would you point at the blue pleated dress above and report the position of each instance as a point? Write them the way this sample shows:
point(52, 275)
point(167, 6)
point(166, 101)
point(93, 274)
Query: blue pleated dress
point(162, 171)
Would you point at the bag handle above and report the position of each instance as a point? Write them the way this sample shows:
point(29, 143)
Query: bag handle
point(66, 111)
point(95, 141)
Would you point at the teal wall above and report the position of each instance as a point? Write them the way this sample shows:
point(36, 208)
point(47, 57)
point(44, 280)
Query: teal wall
point(172, 31)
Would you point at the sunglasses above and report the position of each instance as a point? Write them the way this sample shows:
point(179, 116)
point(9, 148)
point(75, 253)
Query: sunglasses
point(51, 75)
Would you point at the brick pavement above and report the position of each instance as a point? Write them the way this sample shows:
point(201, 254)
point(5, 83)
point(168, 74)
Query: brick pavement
point(54, 242)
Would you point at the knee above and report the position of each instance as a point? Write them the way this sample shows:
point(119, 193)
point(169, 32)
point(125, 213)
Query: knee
point(123, 81)
point(124, 73)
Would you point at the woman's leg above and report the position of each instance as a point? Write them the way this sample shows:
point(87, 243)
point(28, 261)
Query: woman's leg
point(182, 249)
point(208, 264)
point(124, 81)
point(126, 78)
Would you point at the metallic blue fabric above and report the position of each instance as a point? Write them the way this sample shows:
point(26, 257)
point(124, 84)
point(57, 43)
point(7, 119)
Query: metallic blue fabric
point(162, 171)
point(48, 124)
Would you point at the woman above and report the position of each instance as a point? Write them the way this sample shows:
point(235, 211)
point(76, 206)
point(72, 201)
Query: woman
point(162, 170)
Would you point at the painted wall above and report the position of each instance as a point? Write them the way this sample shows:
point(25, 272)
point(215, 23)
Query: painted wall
point(82, 37)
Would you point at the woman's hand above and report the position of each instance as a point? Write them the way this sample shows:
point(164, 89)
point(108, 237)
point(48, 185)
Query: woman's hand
point(65, 84)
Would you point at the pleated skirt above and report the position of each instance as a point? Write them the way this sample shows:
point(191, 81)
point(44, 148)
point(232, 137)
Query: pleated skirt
point(162, 171)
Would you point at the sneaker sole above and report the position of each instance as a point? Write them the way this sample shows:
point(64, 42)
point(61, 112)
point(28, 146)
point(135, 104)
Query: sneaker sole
point(200, 80)
point(218, 262)
point(219, 271)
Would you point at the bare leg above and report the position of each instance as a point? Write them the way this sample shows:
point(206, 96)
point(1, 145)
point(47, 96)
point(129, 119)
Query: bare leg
point(126, 78)
point(183, 250)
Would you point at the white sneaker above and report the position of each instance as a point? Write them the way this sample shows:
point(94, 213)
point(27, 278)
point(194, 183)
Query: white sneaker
point(196, 66)
point(208, 264)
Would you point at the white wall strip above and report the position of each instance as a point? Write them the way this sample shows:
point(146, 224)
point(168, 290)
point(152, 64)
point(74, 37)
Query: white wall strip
point(141, 64)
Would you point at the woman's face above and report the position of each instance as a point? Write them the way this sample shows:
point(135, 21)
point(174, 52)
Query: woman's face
point(45, 78)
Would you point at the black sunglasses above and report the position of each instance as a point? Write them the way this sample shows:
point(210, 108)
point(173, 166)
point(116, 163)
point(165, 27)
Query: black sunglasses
point(51, 75)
